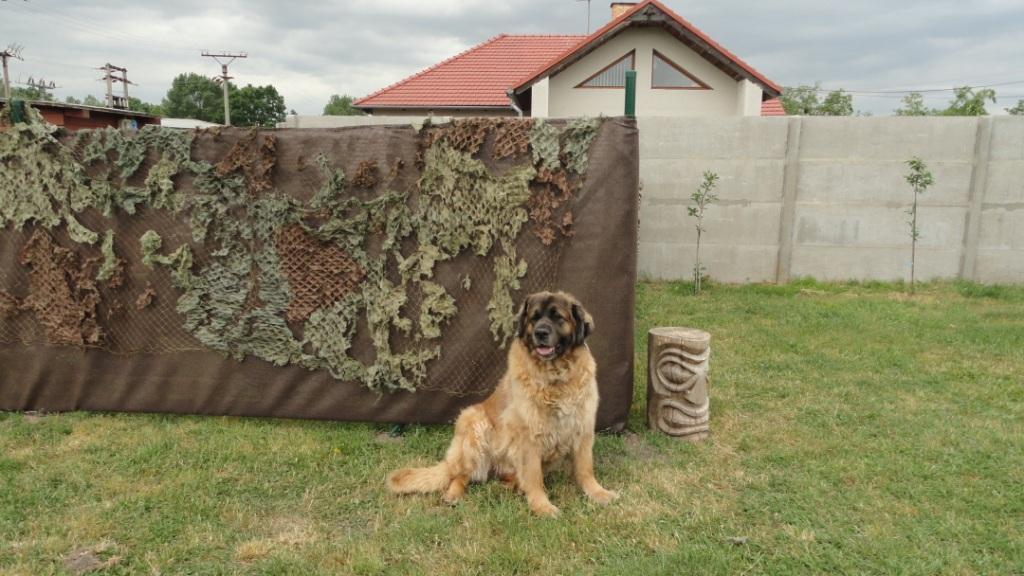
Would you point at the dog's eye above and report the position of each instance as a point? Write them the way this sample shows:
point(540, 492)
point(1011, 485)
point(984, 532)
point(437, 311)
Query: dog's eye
point(554, 315)
point(536, 316)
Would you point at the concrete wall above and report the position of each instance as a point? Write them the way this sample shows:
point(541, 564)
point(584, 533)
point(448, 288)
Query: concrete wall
point(825, 197)
point(725, 98)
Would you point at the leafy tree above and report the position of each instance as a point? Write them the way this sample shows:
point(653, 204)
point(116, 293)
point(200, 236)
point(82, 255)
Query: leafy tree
point(919, 178)
point(194, 96)
point(341, 106)
point(702, 197)
point(967, 102)
point(139, 106)
point(72, 100)
point(837, 103)
point(913, 105)
point(29, 93)
point(803, 101)
point(91, 100)
point(1017, 110)
point(256, 106)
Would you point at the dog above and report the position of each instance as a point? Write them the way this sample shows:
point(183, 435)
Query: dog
point(541, 414)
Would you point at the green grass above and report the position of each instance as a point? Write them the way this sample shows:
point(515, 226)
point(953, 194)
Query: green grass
point(855, 430)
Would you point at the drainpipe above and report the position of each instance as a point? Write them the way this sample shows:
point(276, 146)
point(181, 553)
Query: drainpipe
point(512, 100)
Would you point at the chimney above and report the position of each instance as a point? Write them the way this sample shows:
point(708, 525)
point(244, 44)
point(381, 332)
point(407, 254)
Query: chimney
point(619, 8)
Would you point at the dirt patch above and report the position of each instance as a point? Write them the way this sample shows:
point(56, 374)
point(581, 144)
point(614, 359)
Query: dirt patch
point(92, 559)
point(638, 448)
point(285, 533)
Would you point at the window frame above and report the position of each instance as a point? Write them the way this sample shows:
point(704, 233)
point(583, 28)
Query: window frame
point(632, 66)
point(700, 84)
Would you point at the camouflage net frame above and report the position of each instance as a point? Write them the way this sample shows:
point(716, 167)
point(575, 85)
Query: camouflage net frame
point(288, 279)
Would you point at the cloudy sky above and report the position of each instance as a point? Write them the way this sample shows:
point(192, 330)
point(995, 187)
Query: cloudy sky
point(310, 50)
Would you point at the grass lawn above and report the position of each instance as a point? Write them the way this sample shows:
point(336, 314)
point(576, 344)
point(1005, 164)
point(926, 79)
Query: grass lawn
point(855, 430)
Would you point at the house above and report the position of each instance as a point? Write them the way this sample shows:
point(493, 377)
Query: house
point(80, 116)
point(680, 72)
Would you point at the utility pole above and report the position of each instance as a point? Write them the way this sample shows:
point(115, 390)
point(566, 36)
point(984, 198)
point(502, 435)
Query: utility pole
point(230, 56)
point(12, 51)
point(110, 77)
point(588, 14)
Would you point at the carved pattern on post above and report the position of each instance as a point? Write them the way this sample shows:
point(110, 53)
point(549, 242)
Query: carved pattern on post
point(677, 381)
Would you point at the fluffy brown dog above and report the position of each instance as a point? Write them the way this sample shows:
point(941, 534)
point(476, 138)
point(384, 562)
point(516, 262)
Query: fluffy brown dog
point(541, 413)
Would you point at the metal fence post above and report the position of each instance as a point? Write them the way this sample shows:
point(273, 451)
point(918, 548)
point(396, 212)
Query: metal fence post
point(631, 93)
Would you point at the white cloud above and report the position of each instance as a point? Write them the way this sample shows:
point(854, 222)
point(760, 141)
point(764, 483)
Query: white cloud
point(310, 50)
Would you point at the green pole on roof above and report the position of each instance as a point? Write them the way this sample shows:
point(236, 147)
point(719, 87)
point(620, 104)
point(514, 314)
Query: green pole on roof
point(631, 93)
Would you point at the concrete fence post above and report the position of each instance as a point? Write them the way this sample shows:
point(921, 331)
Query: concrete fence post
point(790, 179)
point(975, 198)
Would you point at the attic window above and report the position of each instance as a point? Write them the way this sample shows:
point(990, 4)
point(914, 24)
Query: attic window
point(666, 74)
point(612, 75)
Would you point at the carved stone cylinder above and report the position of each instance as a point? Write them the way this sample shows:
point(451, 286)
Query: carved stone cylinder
point(677, 381)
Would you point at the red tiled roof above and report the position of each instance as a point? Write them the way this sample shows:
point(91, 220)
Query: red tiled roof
point(482, 75)
point(772, 107)
point(479, 76)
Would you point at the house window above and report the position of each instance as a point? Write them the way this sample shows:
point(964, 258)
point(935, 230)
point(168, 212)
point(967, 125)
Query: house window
point(666, 74)
point(612, 75)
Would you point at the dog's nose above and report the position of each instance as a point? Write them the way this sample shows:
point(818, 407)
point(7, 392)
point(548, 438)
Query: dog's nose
point(541, 332)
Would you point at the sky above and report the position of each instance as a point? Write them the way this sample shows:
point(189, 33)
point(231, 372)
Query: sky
point(311, 50)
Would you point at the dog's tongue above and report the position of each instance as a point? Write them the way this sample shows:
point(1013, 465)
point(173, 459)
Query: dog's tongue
point(545, 350)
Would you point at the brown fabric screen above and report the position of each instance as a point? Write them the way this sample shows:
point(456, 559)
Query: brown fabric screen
point(71, 342)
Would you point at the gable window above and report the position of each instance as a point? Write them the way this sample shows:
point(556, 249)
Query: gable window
point(612, 75)
point(666, 74)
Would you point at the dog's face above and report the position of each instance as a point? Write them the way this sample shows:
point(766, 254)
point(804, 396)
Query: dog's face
point(551, 324)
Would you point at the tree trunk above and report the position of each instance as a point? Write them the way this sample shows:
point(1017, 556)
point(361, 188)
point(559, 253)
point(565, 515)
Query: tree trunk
point(677, 381)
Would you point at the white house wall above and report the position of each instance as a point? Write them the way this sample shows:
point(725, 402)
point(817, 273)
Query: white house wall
point(724, 99)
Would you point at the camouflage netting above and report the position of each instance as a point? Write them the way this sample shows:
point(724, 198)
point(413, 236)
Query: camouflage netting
point(258, 245)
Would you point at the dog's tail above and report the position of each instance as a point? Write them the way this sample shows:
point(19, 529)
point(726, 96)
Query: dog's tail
point(431, 479)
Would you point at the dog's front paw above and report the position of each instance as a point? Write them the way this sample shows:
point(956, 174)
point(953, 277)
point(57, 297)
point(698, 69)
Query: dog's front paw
point(603, 496)
point(545, 509)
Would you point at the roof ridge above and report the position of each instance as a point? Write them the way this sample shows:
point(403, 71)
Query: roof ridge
point(490, 40)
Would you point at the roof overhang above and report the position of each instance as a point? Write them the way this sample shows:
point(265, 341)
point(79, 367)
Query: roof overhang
point(653, 14)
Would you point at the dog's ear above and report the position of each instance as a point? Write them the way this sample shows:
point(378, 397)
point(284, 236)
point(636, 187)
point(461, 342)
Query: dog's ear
point(583, 321)
point(521, 319)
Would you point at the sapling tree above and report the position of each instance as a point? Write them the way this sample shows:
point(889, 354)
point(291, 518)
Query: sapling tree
point(920, 178)
point(703, 197)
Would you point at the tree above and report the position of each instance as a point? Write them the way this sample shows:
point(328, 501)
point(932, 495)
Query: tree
point(1017, 110)
point(341, 106)
point(256, 106)
point(967, 102)
point(140, 106)
point(194, 96)
point(837, 103)
point(91, 100)
point(29, 93)
point(803, 101)
point(919, 178)
point(72, 100)
point(702, 197)
point(913, 105)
